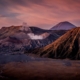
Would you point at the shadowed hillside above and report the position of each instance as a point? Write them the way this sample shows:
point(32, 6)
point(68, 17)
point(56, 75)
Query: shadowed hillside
point(67, 46)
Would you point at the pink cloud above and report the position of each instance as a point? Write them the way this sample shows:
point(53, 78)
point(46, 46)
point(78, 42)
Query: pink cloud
point(43, 14)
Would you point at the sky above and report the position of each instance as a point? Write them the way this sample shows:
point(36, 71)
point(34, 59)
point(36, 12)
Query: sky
point(41, 13)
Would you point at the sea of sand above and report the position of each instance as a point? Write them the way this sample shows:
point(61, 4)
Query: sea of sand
point(18, 67)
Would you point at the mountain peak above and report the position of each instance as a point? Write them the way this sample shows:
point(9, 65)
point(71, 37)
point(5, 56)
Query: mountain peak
point(67, 46)
point(65, 22)
point(63, 26)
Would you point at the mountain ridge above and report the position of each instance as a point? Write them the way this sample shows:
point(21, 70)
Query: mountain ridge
point(67, 46)
point(18, 38)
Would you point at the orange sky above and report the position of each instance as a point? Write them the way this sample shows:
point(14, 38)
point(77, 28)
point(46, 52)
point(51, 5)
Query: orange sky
point(40, 13)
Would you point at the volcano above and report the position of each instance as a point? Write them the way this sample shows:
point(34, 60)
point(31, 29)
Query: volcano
point(17, 39)
point(63, 26)
point(67, 46)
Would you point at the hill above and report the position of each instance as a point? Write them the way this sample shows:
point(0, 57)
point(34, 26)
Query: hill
point(67, 46)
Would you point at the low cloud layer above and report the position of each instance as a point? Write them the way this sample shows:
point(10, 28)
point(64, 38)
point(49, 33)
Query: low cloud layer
point(41, 13)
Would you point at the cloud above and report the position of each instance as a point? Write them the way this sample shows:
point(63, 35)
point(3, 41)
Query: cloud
point(35, 37)
point(42, 13)
point(9, 15)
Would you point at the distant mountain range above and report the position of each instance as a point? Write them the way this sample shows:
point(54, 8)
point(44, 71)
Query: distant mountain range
point(63, 26)
point(67, 46)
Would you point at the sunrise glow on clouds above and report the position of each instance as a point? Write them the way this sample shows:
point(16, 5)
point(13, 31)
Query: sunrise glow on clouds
point(41, 13)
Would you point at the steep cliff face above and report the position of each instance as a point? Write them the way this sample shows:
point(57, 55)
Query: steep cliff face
point(67, 46)
point(8, 31)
